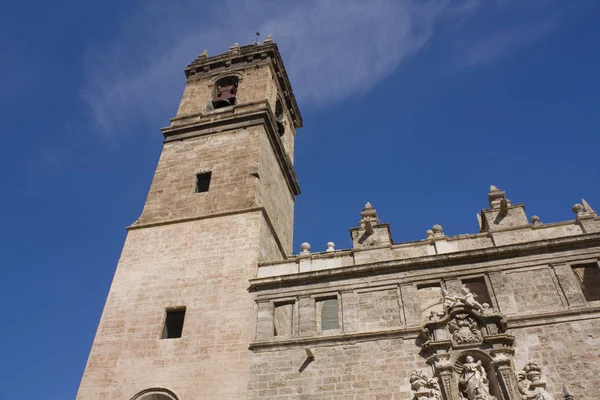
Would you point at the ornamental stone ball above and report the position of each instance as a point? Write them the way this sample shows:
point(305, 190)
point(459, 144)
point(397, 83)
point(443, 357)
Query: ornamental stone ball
point(305, 247)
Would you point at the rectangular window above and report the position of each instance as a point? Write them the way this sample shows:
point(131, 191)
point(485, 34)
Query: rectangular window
point(283, 319)
point(478, 287)
point(173, 324)
point(327, 313)
point(588, 276)
point(203, 181)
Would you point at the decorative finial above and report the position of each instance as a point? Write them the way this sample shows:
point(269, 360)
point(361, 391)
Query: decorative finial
point(588, 208)
point(269, 39)
point(578, 209)
point(330, 246)
point(235, 48)
point(497, 199)
point(429, 234)
point(437, 230)
point(535, 221)
point(202, 55)
point(305, 248)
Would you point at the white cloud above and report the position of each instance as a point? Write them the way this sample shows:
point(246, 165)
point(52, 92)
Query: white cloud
point(504, 41)
point(332, 48)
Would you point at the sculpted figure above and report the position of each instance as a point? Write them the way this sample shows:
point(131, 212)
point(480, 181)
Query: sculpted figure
point(449, 301)
point(473, 382)
point(531, 390)
point(468, 299)
point(425, 387)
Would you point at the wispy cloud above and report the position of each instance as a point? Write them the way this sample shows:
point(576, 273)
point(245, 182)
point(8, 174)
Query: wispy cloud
point(505, 41)
point(344, 46)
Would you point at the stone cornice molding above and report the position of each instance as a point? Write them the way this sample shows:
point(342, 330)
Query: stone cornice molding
point(428, 262)
point(238, 117)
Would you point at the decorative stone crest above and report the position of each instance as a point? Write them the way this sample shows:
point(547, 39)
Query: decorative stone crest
point(470, 350)
point(530, 383)
point(424, 387)
point(464, 330)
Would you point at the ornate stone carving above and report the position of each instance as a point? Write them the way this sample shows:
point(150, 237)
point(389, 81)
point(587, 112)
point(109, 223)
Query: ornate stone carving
point(470, 351)
point(473, 382)
point(464, 330)
point(424, 387)
point(465, 297)
point(530, 383)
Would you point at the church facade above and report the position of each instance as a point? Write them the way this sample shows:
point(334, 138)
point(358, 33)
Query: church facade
point(208, 302)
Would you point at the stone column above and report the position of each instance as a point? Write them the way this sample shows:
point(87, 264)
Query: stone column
point(411, 304)
point(264, 321)
point(569, 284)
point(443, 369)
point(453, 285)
point(503, 293)
point(306, 316)
point(349, 302)
point(505, 374)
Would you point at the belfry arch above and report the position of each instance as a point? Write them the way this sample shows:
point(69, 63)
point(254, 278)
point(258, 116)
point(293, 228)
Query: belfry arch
point(155, 394)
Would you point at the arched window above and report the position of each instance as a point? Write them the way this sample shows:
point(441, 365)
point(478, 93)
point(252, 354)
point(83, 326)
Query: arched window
point(279, 117)
point(225, 92)
point(155, 394)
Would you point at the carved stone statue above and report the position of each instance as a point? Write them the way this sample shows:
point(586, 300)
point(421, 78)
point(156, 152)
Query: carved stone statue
point(424, 387)
point(466, 297)
point(530, 384)
point(464, 329)
point(449, 301)
point(473, 382)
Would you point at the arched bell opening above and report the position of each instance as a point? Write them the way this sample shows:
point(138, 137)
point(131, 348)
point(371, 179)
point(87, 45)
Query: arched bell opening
point(225, 92)
point(469, 377)
point(155, 394)
point(279, 117)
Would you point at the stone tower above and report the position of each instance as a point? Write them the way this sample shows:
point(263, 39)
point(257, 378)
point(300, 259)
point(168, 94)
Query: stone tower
point(178, 319)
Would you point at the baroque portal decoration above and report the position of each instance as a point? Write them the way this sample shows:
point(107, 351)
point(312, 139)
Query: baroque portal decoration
point(424, 387)
point(530, 383)
point(470, 351)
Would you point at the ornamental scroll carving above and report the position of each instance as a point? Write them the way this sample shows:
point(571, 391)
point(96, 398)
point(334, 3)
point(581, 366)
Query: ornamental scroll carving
point(424, 387)
point(470, 350)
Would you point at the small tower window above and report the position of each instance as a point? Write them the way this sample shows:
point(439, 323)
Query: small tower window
point(225, 92)
point(478, 287)
point(327, 313)
point(174, 324)
point(588, 276)
point(283, 319)
point(202, 182)
point(279, 117)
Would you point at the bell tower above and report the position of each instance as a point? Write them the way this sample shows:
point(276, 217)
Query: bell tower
point(178, 318)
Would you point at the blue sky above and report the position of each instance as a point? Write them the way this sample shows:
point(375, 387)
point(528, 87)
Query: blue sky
point(416, 106)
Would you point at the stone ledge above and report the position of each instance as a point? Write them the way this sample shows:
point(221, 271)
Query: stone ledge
point(413, 331)
point(262, 116)
point(402, 333)
point(433, 261)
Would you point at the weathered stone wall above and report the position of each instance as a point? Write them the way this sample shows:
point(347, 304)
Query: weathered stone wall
point(369, 370)
point(553, 323)
point(568, 352)
point(203, 265)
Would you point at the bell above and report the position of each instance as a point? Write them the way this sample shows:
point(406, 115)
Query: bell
point(220, 103)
